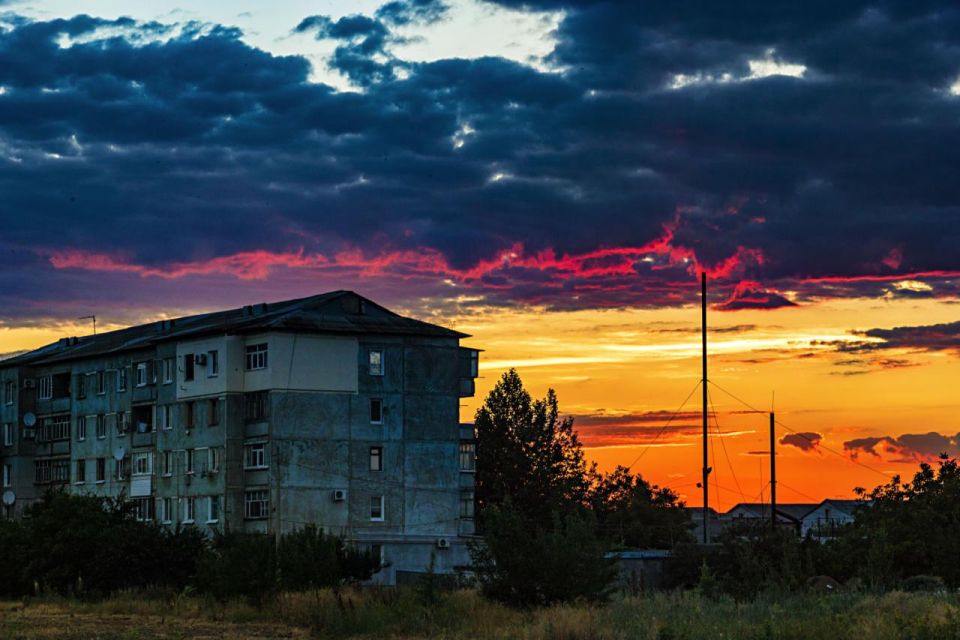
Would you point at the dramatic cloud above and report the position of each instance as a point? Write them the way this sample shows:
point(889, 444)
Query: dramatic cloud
point(934, 337)
point(909, 447)
point(805, 441)
point(805, 150)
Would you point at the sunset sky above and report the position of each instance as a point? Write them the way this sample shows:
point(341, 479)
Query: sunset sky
point(549, 176)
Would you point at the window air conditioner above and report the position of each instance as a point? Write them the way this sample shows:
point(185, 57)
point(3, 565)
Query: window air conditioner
point(443, 543)
point(200, 359)
point(339, 495)
point(29, 383)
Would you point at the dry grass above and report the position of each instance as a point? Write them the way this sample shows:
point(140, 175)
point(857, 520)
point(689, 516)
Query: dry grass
point(400, 614)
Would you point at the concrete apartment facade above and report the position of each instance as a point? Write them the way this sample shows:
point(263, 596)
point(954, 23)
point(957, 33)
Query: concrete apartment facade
point(328, 410)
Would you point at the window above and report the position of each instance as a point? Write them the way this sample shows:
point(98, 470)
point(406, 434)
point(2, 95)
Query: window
point(257, 356)
point(101, 383)
point(81, 471)
point(167, 464)
point(376, 458)
point(466, 504)
point(188, 415)
point(120, 423)
point(7, 475)
point(213, 364)
point(256, 504)
point(468, 456)
point(255, 405)
point(213, 412)
point(255, 456)
point(55, 428)
point(122, 379)
point(141, 379)
point(187, 366)
point(189, 509)
point(164, 512)
point(8, 434)
point(188, 467)
point(48, 471)
point(376, 362)
point(81, 386)
point(213, 509)
point(143, 464)
point(101, 426)
point(167, 370)
point(9, 391)
point(82, 427)
point(121, 469)
point(143, 509)
point(101, 469)
point(376, 411)
point(376, 509)
point(45, 387)
point(213, 459)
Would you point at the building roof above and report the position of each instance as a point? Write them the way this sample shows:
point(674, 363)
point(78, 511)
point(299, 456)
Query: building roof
point(792, 511)
point(337, 312)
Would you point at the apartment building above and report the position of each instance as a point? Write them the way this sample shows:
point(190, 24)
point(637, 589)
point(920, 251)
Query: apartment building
point(329, 410)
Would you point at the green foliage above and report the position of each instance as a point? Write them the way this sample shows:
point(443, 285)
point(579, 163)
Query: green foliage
point(525, 563)
point(309, 558)
point(754, 557)
point(527, 453)
point(239, 564)
point(929, 584)
point(633, 513)
point(83, 545)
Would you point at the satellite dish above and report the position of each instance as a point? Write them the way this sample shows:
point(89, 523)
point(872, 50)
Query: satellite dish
point(9, 497)
point(29, 419)
point(118, 453)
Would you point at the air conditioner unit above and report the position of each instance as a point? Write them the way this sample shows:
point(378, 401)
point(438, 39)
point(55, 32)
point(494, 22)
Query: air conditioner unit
point(339, 495)
point(200, 359)
point(443, 543)
point(29, 383)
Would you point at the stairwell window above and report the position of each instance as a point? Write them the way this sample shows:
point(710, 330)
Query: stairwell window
point(255, 456)
point(376, 458)
point(376, 411)
point(376, 509)
point(257, 356)
point(8, 434)
point(45, 387)
point(256, 504)
point(7, 475)
point(376, 362)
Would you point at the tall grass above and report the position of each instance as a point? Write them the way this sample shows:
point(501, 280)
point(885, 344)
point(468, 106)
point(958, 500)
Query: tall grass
point(405, 613)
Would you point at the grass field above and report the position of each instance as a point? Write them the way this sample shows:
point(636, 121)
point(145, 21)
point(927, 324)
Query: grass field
point(464, 615)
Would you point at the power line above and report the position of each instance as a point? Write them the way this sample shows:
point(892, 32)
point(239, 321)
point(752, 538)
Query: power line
point(723, 444)
point(816, 443)
point(664, 427)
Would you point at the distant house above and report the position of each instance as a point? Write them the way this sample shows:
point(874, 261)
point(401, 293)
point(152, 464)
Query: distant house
point(790, 514)
point(823, 521)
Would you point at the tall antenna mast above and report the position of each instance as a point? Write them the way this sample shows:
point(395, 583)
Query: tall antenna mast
point(94, 318)
point(706, 469)
point(773, 471)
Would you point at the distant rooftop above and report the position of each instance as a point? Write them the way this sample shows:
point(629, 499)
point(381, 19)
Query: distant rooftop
point(337, 312)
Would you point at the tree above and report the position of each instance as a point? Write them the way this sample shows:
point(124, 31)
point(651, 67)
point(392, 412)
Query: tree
point(633, 513)
point(523, 563)
point(309, 558)
point(527, 453)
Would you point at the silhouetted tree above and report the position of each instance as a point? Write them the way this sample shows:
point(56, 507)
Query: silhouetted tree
point(631, 512)
point(527, 453)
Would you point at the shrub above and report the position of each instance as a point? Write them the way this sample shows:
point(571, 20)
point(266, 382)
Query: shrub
point(930, 584)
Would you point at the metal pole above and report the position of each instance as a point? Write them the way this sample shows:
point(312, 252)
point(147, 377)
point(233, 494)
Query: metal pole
point(706, 469)
point(773, 472)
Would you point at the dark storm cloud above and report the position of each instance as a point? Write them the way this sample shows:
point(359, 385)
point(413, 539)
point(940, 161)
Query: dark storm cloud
point(909, 447)
point(932, 337)
point(805, 441)
point(135, 153)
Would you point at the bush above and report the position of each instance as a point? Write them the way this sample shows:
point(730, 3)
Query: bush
point(525, 564)
point(237, 564)
point(311, 559)
point(929, 584)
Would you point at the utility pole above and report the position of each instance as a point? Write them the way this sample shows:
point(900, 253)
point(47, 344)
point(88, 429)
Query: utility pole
point(773, 472)
point(706, 469)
